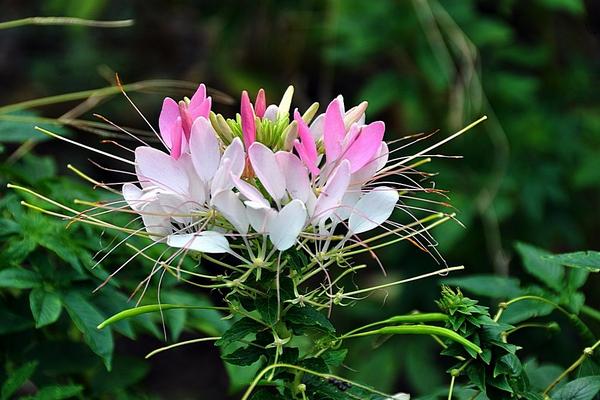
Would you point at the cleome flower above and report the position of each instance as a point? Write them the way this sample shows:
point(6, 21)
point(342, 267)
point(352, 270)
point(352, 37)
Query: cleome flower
point(266, 185)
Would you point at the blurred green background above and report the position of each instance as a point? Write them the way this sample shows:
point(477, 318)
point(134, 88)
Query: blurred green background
point(530, 173)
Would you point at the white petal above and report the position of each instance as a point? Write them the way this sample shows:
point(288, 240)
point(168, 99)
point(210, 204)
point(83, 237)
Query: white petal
point(287, 225)
point(296, 175)
point(271, 112)
point(266, 168)
point(232, 208)
point(232, 162)
point(176, 206)
point(160, 169)
point(333, 191)
point(373, 209)
point(204, 149)
point(317, 127)
point(249, 192)
point(132, 195)
point(205, 242)
point(347, 204)
point(259, 216)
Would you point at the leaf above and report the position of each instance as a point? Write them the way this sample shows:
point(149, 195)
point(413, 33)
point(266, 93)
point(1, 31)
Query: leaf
point(575, 7)
point(534, 261)
point(12, 322)
point(580, 389)
point(18, 127)
point(334, 358)
point(56, 393)
point(17, 379)
point(19, 278)
point(45, 306)
point(238, 331)
point(267, 307)
point(87, 318)
point(308, 316)
point(487, 285)
point(524, 310)
point(243, 356)
point(588, 260)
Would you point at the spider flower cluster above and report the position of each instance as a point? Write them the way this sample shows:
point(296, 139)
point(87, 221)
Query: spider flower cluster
point(269, 173)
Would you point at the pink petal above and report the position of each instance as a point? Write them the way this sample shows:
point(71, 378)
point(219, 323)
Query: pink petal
point(177, 137)
point(204, 149)
point(333, 191)
point(232, 208)
point(305, 158)
point(334, 132)
point(259, 216)
point(260, 105)
point(366, 145)
point(198, 97)
point(248, 123)
point(168, 116)
point(310, 148)
point(265, 166)
point(203, 110)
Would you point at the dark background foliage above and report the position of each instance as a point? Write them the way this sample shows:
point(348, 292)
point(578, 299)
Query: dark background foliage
point(531, 173)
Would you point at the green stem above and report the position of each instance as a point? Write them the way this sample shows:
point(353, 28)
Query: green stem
point(581, 327)
point(264, 371)
point(105, 91)
point(186, 342)
point(65, 21)
point(591, 312)
point(587, 352)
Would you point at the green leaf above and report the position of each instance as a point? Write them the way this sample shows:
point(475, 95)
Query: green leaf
point(267, 307)
point(580, 389)
point(487, 285)
point(13, 322)
point(334, 358)
point(588, 260)
point(573, 6)
point(87, 318)
point(45, 306)
point(238, 331)
point(56, 393)
point(535, 262)
point(308, 316)
point(17, 379)
point(524, 310)
point(243, 356)
point(19, 278)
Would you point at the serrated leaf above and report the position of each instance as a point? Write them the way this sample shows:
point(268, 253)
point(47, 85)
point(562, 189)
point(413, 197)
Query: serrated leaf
point(87, 318)
point(56, 393)
point(580, 389)
point(524, 310)
point(334, 358)
point(588, 260)
point(238, 331)
point(17, 379)
point(243, 356)
point(308, 316)
point(45, 306)
point(267, 307)
point(19, 278)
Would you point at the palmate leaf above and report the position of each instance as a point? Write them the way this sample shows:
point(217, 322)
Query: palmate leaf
point(536, 263)
point(487, 285)
point(587, 260)
point(16, 380)
point(86, 318)
point(56, 393)
point(45, 306)
point(308, 316)
point(238, 331)
point(19, 278)
point(584, 388)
